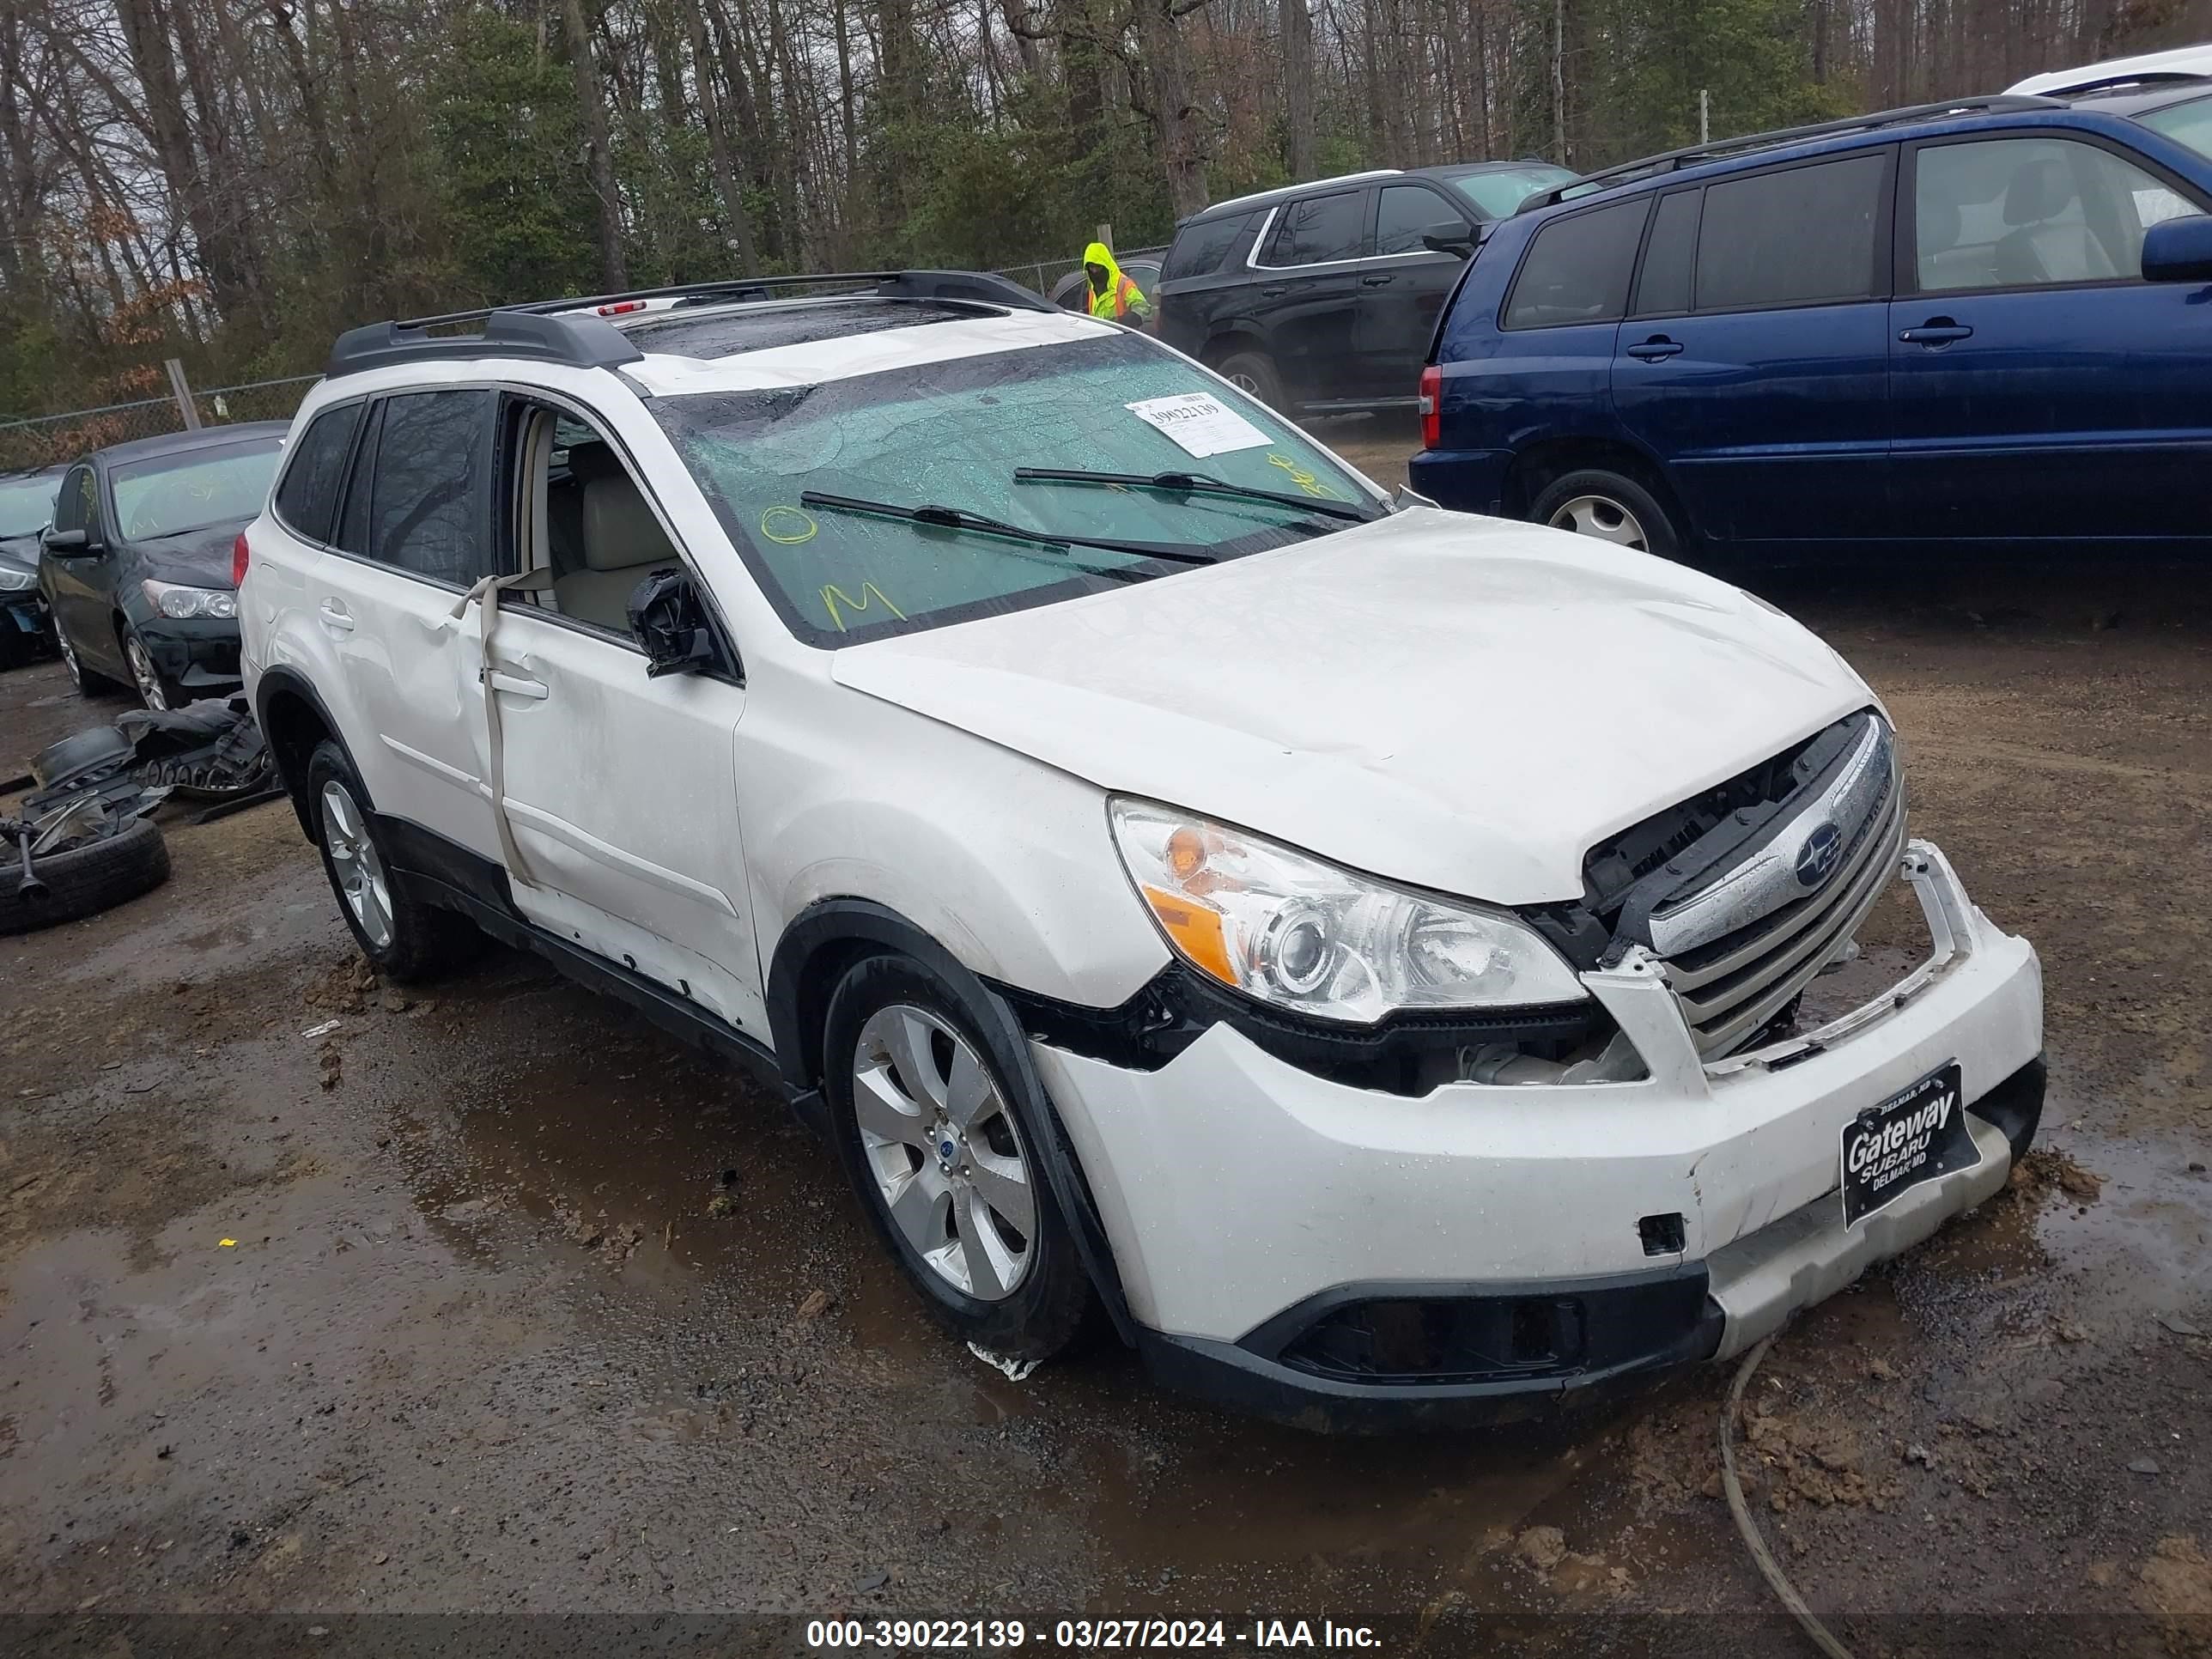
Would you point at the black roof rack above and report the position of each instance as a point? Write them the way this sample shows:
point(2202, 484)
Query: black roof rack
point(1674, 161)
point(553, 329)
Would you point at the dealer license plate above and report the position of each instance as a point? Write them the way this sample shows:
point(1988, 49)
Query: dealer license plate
point(1917, 1134)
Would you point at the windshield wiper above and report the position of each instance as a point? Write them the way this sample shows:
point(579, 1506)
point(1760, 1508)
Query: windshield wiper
point(1197, 483)
point(954, 518)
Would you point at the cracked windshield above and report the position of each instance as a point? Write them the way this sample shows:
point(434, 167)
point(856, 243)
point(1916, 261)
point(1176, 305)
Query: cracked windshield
point(951, 435)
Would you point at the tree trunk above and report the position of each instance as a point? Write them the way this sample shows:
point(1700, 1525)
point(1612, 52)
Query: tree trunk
point(736, 226)
point(591, 104)
point(1171, 112)
point(1299, 88)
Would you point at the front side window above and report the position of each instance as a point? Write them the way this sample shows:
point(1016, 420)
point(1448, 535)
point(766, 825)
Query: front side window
point(1802, 236)
point(1577, 268)
point(2030, 213)
point(26, 505)
point(1404, 211)
point(1498, 193)
point(1318, 230)
point(308, 495)
point(197, 489)
point(425, 504)
point(951, 435)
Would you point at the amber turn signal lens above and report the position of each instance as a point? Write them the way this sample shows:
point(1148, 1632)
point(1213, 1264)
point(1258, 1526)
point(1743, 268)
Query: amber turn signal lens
point(1195, 928)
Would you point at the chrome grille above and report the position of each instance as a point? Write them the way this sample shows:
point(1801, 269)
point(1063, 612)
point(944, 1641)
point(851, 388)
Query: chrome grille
point(1732, 986)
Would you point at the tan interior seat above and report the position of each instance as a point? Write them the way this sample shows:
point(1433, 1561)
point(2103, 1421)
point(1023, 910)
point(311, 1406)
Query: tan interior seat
point(622, 543)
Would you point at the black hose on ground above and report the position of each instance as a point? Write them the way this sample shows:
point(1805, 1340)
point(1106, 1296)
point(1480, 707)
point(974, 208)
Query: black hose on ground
point(1763, 1558)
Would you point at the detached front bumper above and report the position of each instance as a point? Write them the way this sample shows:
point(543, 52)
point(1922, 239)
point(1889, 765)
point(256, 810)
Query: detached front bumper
point(199, 654)
point(23, 621)
point(1345, 1258)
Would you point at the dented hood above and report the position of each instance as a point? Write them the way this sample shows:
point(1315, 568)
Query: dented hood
point(1462, 703)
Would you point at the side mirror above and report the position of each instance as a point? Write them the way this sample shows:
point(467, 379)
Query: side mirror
point(1450, 237)
point(669, 621)
point(67, 543)
point(2179, 250)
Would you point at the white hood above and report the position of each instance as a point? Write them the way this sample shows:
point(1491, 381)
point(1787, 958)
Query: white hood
point(1456, 702)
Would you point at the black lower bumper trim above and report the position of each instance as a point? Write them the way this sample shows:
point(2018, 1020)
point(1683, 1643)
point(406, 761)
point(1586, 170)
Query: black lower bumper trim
point(1637, 1327)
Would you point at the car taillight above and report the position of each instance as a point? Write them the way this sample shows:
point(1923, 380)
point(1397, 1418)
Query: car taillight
point(621, 307)
point(1433, 396)
point(239, 554)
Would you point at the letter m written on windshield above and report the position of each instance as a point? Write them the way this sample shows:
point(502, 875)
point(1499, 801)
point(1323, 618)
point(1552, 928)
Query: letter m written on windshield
point(836, 601)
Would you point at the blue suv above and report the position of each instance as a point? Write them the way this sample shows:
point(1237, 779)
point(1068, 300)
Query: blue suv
point(1980, 322)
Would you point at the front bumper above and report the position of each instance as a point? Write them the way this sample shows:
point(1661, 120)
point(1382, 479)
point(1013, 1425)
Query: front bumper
point(23, 621)
point(1568, 1236)
point(199, 654)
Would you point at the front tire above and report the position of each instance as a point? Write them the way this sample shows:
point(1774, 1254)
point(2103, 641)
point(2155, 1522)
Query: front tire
point(404, 939)
point(156, 689)
point(944, 1146)
point(1611, 507)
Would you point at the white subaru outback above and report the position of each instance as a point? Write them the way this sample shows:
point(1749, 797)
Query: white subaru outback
point(1359, 945)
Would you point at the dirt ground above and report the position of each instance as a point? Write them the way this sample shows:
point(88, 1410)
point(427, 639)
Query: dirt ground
point(492, 1300)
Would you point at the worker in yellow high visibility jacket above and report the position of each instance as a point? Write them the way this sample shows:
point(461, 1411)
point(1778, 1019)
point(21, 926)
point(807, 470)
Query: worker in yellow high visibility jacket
point(1113, 295)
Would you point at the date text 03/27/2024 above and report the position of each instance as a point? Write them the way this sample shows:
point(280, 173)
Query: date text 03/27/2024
point(917, 1635)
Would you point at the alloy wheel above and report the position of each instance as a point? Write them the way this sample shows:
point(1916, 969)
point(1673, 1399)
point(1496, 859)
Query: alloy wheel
point(68, 658)
point(361, 875)
point(943, 1151)
point(147, 676)
point(1602, 517)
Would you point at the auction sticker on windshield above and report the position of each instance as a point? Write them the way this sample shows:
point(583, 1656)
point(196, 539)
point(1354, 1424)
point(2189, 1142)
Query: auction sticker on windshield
point(1915, 1135)
point(1199, 423)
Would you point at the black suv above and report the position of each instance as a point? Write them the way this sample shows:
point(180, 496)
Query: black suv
point(1321, 297)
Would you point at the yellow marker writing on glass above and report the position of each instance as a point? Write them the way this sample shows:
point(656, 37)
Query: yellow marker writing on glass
point(871, 595)
point(787, 525)
point(1300, 477)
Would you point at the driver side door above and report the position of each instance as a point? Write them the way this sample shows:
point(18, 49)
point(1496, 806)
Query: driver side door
point(620, 788)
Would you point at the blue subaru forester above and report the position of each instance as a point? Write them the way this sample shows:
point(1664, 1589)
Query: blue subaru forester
point(1988, 321)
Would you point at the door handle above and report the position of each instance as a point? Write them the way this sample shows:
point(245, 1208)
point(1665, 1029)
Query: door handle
point(334, 616)
point(1936, 332)
point(1376, 281)
point(1658, 349)
point(515, 685)
point(1274, 290)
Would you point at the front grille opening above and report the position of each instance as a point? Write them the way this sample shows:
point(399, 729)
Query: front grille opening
point(1478, 1339)
point(1442, 1340)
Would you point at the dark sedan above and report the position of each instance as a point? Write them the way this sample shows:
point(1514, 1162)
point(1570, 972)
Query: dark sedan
point(136, 568)
point(26, 506)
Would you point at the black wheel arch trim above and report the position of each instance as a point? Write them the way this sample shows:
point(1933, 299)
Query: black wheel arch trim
point(796, 1000)
point(292, 683)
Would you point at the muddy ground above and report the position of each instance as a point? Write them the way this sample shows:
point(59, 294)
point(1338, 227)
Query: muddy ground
point(494, 1300)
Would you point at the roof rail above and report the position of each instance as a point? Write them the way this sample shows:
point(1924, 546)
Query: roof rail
point(553, 329)
point(581, 342)
point(1674, 161)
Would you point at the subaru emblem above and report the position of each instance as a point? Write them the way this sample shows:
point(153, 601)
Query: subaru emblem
point(1818, 857)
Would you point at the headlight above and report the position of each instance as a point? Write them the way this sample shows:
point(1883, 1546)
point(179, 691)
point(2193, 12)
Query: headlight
point(16, 582)
point(174, 600)
point(1305, 935)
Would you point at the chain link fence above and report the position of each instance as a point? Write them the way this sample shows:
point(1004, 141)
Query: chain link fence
point(54, 439)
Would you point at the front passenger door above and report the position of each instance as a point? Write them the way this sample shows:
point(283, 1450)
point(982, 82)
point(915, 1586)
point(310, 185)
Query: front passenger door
point(1402, 286)
point(620, 789)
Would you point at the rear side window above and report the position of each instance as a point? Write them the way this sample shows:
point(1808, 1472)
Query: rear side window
point(1200, 249)
point(1664, 285)
point(1319, 229)
point(1577, 269)
point(420, 499)
point(307, 495)
point(1804, 236)
point(1404, 211)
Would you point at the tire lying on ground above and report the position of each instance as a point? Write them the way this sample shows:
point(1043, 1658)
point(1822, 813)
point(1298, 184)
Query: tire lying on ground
point(82, 881)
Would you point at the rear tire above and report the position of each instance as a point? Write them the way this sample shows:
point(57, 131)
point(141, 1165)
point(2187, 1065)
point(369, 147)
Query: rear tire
point(1612, 507)
point(1253, 372)
point(944, 1146)
point(402, 938)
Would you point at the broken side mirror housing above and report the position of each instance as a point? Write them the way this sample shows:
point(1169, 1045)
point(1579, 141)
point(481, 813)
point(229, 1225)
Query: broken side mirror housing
point(668, 619)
